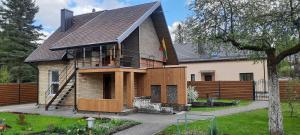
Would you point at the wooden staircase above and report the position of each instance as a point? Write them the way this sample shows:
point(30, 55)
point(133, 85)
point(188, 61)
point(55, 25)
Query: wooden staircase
point(67, 82)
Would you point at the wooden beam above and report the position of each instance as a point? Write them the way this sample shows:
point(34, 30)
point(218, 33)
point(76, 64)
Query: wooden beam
point(98, 70)
point(130, 89)
point(119, 77)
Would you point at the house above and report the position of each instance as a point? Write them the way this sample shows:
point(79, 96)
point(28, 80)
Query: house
point(102, 61)
point(222, 66)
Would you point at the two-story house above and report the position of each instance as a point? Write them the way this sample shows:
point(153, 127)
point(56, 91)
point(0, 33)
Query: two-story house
point(101, 61)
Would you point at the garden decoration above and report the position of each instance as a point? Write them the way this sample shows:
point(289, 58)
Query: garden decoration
point(189, 117)
point(91, 122)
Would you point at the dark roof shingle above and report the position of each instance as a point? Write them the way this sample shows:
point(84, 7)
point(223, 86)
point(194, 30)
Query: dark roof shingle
point(104, 28)
point(188, 53)
point(87, 29)
point(43, 52)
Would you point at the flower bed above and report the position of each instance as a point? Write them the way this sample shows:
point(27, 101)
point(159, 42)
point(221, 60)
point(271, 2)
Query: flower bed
point(33, 124)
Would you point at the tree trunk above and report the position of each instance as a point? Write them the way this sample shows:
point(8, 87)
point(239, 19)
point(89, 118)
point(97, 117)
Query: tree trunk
point(275, 114)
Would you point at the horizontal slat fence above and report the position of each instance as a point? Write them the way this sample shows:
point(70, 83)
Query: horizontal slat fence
point(224, 89)
point(14, 93)
point(240, 89)
point(289, 89)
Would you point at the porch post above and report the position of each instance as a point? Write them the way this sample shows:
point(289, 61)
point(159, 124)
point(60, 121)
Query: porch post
point(130, 89)
point(119, 88)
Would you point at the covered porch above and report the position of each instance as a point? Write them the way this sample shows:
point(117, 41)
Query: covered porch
point(108, 89)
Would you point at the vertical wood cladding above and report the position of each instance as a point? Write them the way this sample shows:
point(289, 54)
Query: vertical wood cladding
point(130, 50)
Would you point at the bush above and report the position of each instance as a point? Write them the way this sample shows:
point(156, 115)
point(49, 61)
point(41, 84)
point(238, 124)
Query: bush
point(192, 94)
point(4, 74)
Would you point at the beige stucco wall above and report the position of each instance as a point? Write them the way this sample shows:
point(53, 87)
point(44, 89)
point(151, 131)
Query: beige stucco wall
point(226, 70)
point(44, 69)
point(149, 42)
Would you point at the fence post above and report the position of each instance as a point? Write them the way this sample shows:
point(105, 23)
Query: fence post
point(19, 93)
point(253, 87)
point(219, 89)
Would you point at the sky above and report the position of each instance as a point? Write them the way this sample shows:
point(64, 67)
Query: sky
point(49, 10)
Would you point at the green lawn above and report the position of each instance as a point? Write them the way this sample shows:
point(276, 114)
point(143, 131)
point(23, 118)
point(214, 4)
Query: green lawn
point(40, 123)
point(248, 123)
point(208, 109)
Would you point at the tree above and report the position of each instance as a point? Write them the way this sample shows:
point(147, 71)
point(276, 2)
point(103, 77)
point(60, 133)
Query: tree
point(19, 37)
point(4, 74)
point(270, 27)
point(179, 38)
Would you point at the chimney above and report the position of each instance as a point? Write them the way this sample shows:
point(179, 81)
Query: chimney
point(66, 19)
point(94, 10)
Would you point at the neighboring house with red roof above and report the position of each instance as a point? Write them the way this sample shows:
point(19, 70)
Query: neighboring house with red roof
point(101, 61)
point(222, 65)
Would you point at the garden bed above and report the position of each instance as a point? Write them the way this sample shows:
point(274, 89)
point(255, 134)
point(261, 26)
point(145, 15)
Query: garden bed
point(217, 104)
point(33, 124)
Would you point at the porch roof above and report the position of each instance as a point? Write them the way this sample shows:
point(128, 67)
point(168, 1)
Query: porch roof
point(111, 69)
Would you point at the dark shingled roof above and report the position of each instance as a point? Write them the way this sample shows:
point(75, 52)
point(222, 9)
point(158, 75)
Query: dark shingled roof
point(93, 28)
point(188, 53)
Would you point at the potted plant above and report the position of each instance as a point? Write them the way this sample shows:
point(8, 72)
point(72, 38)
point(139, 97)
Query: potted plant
point(2, 125)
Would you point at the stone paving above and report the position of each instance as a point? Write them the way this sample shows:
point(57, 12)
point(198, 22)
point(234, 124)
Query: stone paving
point(151, 123)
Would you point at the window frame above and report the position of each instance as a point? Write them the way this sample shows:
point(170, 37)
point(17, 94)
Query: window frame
point(51, 82)
point(193, 77)
point(248, 75)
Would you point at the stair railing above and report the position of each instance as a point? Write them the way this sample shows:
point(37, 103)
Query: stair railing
point(65, 75)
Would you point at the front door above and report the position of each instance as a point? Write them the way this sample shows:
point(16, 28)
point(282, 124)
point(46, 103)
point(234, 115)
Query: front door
point(107, 86)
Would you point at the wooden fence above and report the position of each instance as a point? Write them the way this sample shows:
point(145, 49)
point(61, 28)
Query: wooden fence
point(289, 89)
point(14, 93)
point(241, 89)
point(224, 89)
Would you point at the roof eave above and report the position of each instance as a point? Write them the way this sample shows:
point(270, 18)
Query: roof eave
point(80, 46)
point(136, 24)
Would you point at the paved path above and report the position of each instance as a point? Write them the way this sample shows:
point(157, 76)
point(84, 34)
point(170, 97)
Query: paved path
point(151, 123)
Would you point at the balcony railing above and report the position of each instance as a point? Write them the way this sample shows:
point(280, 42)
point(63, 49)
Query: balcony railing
point(111, 58)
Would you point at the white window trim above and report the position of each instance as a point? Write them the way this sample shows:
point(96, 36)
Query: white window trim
point(50, 81)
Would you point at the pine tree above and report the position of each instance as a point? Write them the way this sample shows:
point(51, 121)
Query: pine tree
point(19, 37)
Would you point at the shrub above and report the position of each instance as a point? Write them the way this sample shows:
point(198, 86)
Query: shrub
point(192, 94)
point(4, 74)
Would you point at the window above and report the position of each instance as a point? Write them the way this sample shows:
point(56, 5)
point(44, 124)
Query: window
point(54, 81)
point(193, 77)
point(246, 76)
point(155, 93)
point(208, 76)
point(172, 94)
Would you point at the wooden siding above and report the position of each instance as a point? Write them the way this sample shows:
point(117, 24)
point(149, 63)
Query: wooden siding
point(99, 105)
point(18, 93)
point(164, 77)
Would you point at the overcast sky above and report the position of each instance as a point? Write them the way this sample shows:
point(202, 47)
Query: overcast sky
point(49, 12)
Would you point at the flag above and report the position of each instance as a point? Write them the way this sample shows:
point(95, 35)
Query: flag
point(163, 48)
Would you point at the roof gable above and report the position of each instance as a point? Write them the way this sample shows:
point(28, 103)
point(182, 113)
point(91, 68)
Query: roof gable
point(108, 27)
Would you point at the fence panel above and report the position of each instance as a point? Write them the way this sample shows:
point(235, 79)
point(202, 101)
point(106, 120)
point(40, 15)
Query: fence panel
point(287, 90)
point(236, 90)
point(242, 89)
point(224, 89)
point(14, 93)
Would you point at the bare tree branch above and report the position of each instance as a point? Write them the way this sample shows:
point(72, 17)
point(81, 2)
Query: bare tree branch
point(244, 47)
point(293, 50)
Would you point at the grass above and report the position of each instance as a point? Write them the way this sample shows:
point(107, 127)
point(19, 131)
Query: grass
point(248, 123)
point(208, 109)
point(41, 123)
